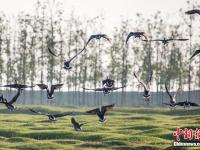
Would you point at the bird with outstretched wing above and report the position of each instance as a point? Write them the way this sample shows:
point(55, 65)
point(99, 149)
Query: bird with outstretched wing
point(100, 112)
point(105, 90)
point(147, 93)
point(136, 35)
point(52, 117)
point(166, 41)
point(50, 91)
point(9, 104)
point(98, 37)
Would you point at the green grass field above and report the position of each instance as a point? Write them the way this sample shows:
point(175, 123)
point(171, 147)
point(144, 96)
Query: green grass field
point(126, 128)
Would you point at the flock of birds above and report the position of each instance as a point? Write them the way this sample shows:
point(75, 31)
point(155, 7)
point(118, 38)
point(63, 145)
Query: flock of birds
point(108, 85)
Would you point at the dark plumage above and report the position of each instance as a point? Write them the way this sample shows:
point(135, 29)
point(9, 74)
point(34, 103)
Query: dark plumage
point(52, 117)
point(105, 90)
point(193, 11)
point(147, 93)
point(136, 35)
point(195, 53)
point(166, 41)
point(98, 37)
point(9, 104)
point(76, 125)
point(17, 86)
point(50, 91)
point(100, 112)
point(187, 104)
point(108, 83)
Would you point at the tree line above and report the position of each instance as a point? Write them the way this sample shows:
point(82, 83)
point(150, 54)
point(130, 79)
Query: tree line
point(24, 56)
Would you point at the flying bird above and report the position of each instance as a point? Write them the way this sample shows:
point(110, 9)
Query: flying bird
point(108, 83)
point(195, 53)
point(98, 37)
point(9, 104)
point(17, 86)
point(52, 117)
point(136, 35)
point(77, 126)
point(50, 91)
point(172, 103)
point(187, 104)
point(193, 11)
point(147, 93)
point(51, 51)
point(105, 90)
point(166, 41)
point(100, 112)
point(67, 65)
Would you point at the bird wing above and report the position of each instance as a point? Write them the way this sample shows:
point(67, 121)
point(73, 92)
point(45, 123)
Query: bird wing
point(91, 37)
point(146, 39)
point(128, 37)
point(21, 86)
point(157, 40)
point(56, 86)
point(180, 39)
point(14, 99)
point(140, 82)
point(171, 98)
point(81, 124)
point(38, 112)
point(97, 89)
point(93, 111)
point(195, 53)
point(176, 93)
point(51, 51)
point(190, 12)
point(193, 104)
point(150, 79)
point(42, 86)
point(116, 88)
point(180, 103)
point(104, 109)
point(62, 114)
point(76, 55)
point(106, 37)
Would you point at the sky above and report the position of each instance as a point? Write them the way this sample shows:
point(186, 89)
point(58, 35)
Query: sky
point(112, 10)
